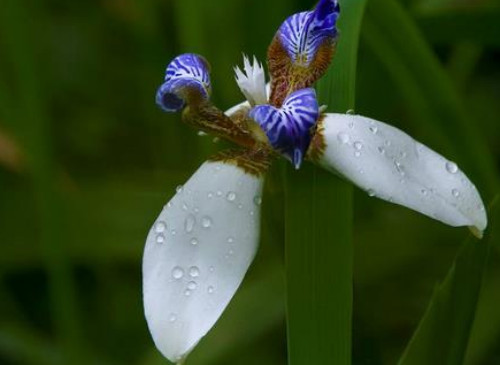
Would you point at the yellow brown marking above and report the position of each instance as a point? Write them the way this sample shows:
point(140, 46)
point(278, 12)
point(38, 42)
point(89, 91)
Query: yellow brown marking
point(206, 117)
point(288, 76)
point(255, 162)
point(318, 143)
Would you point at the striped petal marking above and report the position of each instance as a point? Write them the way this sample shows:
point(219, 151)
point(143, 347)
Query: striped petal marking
point(187, 77)
point(302, 34)
point(289, 128)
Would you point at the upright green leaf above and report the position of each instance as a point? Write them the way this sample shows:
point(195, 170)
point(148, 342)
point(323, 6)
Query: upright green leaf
point(318, 232)
point(443, 334)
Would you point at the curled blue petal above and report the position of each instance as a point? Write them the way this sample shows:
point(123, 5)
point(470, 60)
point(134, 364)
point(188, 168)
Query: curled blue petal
point(187, 79)
point(289, 128)
point(304, 33)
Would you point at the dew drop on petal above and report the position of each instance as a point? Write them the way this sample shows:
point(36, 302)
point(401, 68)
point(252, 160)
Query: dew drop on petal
point(230, 240)
point(371, 192)
point(189, 223)
point(210, 289)
point(423, 192)
point(358, 145)
point(219, 193)
point(343, 137)
point(231, 196)
point(194, 241)
point(357, 153)
point(350, 112)
point(173, 232)
point(172, 317)
point(177, 272)
point(160, 227)
point(240, 206)
point(206, 222)
point(451, 167)
point(160, 238)
point(179, 189)
point(210, 195)
point(381, 150)
point(187, 292)
point(257, 200)
point(192, 285)
point(211, 269)
point(374, 129)
point(387, 143)
point(455, 193)
point(194, 272)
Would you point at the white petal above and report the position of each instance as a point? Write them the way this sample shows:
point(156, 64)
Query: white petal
point(391, 165)
point(197, 254)
point(252, 82)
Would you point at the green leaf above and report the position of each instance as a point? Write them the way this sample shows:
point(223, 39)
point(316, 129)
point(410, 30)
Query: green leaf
point(318, 230)
point(443, 334)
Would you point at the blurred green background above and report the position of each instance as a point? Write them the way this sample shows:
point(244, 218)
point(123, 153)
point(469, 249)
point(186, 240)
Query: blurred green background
point(87, 161)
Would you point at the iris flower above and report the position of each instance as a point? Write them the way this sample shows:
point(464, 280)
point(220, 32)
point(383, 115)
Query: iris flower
point(206, 236)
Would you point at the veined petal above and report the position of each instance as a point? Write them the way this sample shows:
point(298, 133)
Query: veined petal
point(302, 49)
point(198, 251)
point(187, 79)
point(289, 128)
point(391, 165)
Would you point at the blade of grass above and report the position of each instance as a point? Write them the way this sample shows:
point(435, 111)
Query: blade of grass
point(32, 127)
point(318, 230)
point(428, 91)
point(443, 333)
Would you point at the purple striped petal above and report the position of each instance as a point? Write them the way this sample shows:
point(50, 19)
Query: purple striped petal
point(302, 34)
point(302, 49)
point(186, 79)
point(289, 127)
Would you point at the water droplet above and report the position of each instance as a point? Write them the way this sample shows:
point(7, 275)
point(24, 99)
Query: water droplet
point(399, 168)
point(172, 317)
point(160, 227)
point(343, 137)
point(173, 232)
point(357, 153)
point(210, 195)
point(210, 289)
point(257, 200)
point(216, 140)
point(230, 240)
point(252, 212)
point(194, 241)
point(387, 143)
point(350, 112)
point(187, 292)
point(201, 134)
point(371, 192)
point(184, 206)
point(196, 210)
point(189, 223)
point(424, 192)
point(219, 193)
point(381, 150)
point(231, 196)
point(358, 145)
point(177, 272)
point(402, 154)
point(179, 189)
point(160, 238)
point(455, 193)
point(192, 285)
point(169, 204)
point(194, 272)
point(206, 222)
point(451, 167)
point(374, 129)
point(240, 206)
point(211, 269)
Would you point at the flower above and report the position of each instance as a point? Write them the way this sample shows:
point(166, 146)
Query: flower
point(205, 238)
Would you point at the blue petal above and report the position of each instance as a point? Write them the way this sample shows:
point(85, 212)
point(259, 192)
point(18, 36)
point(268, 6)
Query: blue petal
point(187, 76)
point(304, 33)
point(289, 127)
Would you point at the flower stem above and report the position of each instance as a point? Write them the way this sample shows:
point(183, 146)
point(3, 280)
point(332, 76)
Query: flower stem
point(318, 229)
